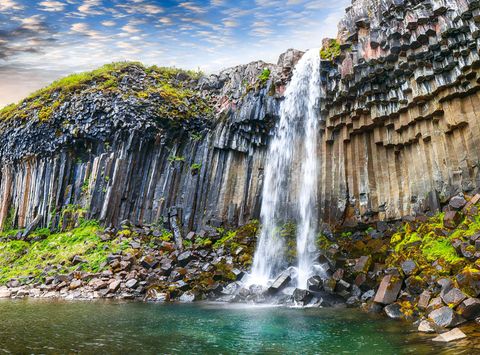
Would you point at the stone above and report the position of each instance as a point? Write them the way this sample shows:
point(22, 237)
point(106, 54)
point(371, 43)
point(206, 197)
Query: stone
point(409, 267)
point(363, 264)
point(453, 297)
point(280, 282)
point(184, 258)
point(445, 317)
point(5, 293)
point(457, 202)
point(452, 219)
point(329, 285)
point(148, 262)
point(302, 297)
point(187, 297)
point(314, 283)
point(77, 260)
point(370, 294)
point(393, 311)
point(388, 290)
point(470, 308)
point(75, 284)
point(454, 334)
point(426, 327)
point(114, 286)
point(424, 299)
point(132, 283)
point(435, 303)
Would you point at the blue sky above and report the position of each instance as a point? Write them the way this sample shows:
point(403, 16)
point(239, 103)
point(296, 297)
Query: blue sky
point(45, 39)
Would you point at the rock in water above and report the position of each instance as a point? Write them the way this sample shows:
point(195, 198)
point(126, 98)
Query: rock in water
point(425, 327)
point(280, 282)
point(302, 297)
point(187, 297)
point(393, 311)
point(453, 334)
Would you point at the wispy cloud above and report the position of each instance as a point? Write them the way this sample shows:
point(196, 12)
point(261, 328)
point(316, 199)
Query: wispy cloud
point(52, 6)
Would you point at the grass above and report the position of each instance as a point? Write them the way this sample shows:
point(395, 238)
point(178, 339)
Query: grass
point(20, 259)
point(331, 51)
point(161, 81)
point(264, 76)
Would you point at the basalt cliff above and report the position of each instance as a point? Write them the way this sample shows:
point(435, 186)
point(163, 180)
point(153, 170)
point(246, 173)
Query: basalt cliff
point(154, 145)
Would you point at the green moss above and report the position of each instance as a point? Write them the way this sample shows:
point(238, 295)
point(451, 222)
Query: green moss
point(22, 259)
point(331, 51)
point(174, 158)
point(264, 76)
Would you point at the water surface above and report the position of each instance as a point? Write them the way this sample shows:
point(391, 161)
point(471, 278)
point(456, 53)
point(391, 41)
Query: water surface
point(32, 326)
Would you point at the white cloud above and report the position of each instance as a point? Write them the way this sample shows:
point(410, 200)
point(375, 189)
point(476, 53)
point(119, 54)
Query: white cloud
point(230, 23)
point(191, 6)
point(129, 28)
point(108, 23)
point(52, 6)
point(10, 5)
point(90, 7)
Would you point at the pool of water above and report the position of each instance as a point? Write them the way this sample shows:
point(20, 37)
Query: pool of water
point(33, 326)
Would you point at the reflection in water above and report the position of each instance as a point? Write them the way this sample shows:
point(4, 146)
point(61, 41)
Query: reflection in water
point(103, 327)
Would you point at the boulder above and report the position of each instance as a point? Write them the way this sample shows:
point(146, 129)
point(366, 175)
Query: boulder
point(388, 290)
point(426, 327)
point(393, 311)
point(148, 262)
point(453, 334)
point(314, 283)
point(424, 299)
point(184, 258)
point(302, 297)
point(367, 295)
point(453, 297)
point(470, 308)
point(457, 202)
point(409, 267)
point(452, 219)
point(5, 293)
point(131, 283)
point(280, 282)
point(445, 317)
point(75, 284)
point(363, 264)
point(114, 286)
point(187, 297)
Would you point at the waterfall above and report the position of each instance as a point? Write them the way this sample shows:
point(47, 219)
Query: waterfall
point(290, 180)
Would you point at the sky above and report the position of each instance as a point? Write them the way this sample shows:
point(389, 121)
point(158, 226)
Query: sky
point(43, 40)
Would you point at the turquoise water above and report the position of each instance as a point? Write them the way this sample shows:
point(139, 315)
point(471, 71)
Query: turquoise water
point(138, 328)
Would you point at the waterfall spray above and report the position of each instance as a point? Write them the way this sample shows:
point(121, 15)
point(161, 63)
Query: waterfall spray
point(299, 115)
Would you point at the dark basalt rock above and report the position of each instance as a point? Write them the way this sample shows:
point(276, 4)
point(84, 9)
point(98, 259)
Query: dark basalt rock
point(445, 317)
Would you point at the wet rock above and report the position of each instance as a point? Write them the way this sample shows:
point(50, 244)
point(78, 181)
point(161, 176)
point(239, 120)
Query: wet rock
point(302, 297)
point(353, 301)
point(388, 290)
point(470, 308)
point(187, 297)
point(393, 311)
point(314, 283)
point(435, 303)
point(415, 284)
point(329, 285)
point(452, 335)
point(445, 317)
point(280, 282)
point(426, 327)
point(453, 297)
point(368, 295)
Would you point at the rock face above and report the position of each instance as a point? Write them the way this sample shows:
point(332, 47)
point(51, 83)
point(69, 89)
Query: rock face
point(400, 133)
point(114, 156)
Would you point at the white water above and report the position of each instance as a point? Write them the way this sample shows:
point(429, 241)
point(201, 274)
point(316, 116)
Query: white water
point(292, 177)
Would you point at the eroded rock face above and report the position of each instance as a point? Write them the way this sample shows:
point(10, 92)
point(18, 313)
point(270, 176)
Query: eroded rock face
point(118, 157)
